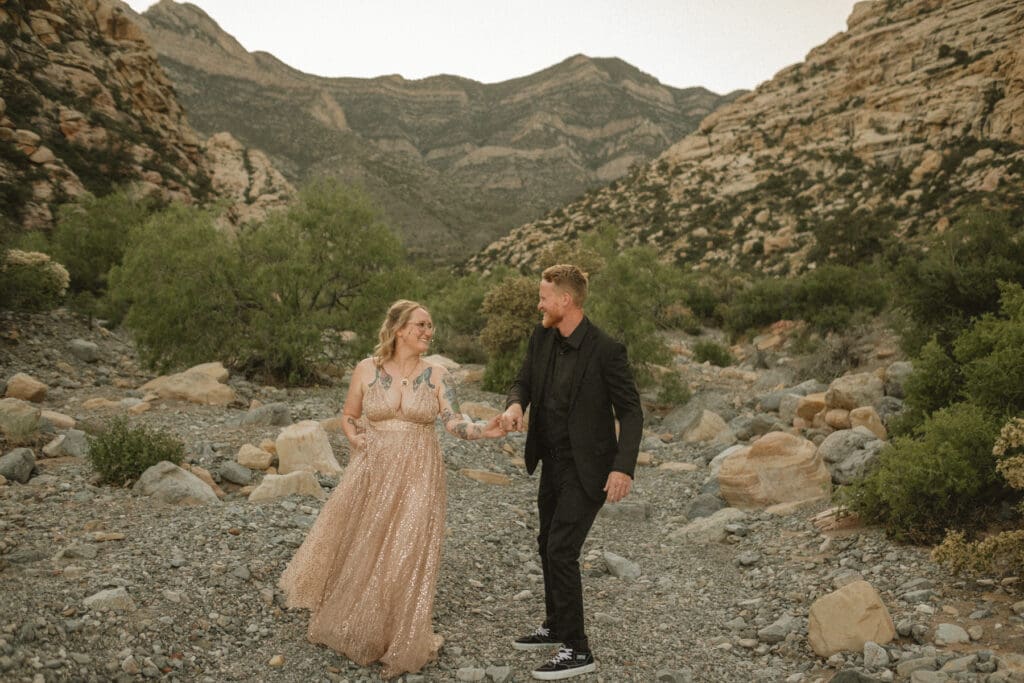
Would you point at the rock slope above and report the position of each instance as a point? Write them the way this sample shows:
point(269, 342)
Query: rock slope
point(86, 106)
point(915, 110)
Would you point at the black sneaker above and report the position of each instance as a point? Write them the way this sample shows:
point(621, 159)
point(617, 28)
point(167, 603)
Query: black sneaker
point(566, 664)
point(541, 639)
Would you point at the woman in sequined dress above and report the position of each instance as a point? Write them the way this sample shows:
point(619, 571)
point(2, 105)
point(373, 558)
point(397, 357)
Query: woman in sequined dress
point(368, 568)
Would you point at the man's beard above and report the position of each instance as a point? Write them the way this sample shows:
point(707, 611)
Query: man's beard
point(550, 320)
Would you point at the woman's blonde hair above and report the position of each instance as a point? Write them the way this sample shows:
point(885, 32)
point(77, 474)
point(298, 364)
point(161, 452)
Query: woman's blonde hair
point(397, 317)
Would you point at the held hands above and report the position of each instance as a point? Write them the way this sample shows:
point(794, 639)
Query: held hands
point(357, 442)
point(618, 486)
point(493, 429)
point(512, 418)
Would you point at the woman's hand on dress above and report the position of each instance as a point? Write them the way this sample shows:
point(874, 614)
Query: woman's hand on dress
point(357, 442)
point(493, 428)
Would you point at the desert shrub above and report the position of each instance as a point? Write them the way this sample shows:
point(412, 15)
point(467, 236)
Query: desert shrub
point(89, 238)
point(828, 357)
point(991, 354)
point(121, 453)
point(271, 303)
point(934, 383)
point(942, 477)
point(830, 298)
point(456, 305)
point(851, 237)
point(30, 281)
point(712, 352)
point(672, 390)
point(1001, 553)
point(941, 289)
point(510, 309)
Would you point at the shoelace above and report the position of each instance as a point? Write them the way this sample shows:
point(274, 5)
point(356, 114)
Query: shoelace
point(564, 655)
point(543, 631)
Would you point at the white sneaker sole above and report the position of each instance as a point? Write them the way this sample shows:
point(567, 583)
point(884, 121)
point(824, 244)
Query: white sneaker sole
point(568, 673)
point(534, 646)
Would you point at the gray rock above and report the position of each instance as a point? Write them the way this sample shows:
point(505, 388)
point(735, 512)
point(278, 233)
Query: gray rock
point(908, 666)
point(895, 378)
point(918, 596)
point(275, 414)
point(18, 465)
point(811, 386)
point(705, 505)
point(85, 351)
point(683, 417)
point(770, 401)
point(948, 634)
point(875, 656)
point(888, 407)
point(851, 676)
point(499, 674)
point(777, 631)
point(76, 443)
point(236, 474)
point(787, 407)
point(470, 673)
point(627, 511)
point(848, 452)
point(620, 567)
point(112, 599)
point(168, 483)
point(651, 443)
point(674, 676)
point(747, 427)
point(748, 558)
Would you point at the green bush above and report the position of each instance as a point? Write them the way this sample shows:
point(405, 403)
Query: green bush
point(851, 237)
point(991, 354)
point(934, 383)
point(943, 477)
point(90, 237)
point(121, 453)
point(712, 352)
point(30, 281)
point(501, 369)
point(672, 391)
point(829, 298)
point(272, 303)
point(456, 305)
point(941, 289)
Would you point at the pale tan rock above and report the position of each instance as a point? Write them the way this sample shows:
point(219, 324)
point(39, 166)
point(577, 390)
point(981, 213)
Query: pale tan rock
point(837, 418)
point(276, 486)
point(866, 416)
point(26, 388)
point(644, 458)
point(200, 384)
point(99, 403)
point(678, 466)
point(168, 483)
point(846, 619)
point(777, 468)
point(810, 405)
point(3, 480)
point(139, 408)
point(268, 445)
point(930, 163)
point(58, 420)
point(852, 391)
point(254, 458)
point(710, 427)
point(304, 447)
point(486, 477)
point(19, 419)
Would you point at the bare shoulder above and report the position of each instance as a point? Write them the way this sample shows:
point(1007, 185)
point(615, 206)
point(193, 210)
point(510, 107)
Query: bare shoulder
point(438, 373)
point(364, 370)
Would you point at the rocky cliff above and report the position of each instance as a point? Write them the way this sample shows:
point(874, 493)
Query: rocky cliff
point(453, 162)
point(85, 106)
point(915, 110)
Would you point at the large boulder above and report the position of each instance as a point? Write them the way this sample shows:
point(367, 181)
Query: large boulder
point(200, 384)
point(855, 390)
point(846, 619)
point(254, 458)
point(304, 447)
point(896, 378)
point(868, 417)
point(19, 419)
point(848, 452)
point(277, 414)
point(777, 468)
point(26, 388)
point(168, 483)
point(709, 427)
point(85, 351)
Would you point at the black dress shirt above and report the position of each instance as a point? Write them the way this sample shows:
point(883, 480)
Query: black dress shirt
point(554, 413)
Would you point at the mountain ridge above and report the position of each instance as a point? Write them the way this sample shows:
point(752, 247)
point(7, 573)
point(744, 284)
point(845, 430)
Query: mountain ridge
point(454, 163)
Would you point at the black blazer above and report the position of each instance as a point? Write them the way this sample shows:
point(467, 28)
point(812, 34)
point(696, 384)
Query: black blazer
point(602, 390)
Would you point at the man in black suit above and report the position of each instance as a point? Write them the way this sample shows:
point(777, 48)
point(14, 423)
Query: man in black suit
point(578, 382)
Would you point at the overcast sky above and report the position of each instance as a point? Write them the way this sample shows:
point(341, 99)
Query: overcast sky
point(719, 44)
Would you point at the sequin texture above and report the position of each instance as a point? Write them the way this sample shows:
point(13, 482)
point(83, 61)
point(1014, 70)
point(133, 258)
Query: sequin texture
point(368, 568)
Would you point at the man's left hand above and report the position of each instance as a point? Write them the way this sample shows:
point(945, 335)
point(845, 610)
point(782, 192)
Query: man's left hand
point(618, 486)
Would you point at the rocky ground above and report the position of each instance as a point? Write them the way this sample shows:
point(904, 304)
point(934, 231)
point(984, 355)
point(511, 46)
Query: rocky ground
point(198, 598)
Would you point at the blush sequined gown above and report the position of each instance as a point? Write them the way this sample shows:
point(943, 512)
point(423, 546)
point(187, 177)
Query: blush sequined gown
point(368, 568)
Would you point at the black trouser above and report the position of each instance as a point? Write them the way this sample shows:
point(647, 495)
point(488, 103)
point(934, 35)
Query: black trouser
point(566, 515)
